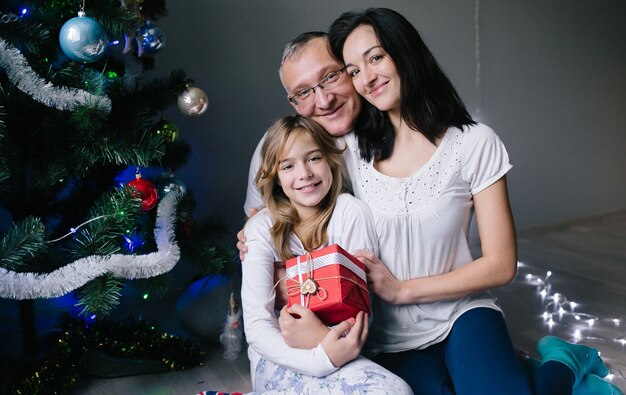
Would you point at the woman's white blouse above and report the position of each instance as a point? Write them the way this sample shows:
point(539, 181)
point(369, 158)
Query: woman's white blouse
point(351, 226)
point(422, 224)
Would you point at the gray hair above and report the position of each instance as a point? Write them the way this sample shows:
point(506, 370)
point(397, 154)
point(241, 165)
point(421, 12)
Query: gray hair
point(293, 47)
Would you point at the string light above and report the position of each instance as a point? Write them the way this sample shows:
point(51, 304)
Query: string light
point(557, 308)
point(73, 230)
point(559, 312)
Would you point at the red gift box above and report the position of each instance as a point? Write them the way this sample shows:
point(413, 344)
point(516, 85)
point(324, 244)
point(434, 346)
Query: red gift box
point(329, 281)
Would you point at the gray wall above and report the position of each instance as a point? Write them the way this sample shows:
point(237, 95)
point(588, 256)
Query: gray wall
point(550, 79)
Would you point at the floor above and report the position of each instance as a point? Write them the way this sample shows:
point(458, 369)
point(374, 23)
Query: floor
point(586, 260)
point(582, 266)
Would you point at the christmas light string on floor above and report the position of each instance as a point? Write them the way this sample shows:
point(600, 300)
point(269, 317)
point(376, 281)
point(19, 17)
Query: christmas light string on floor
point(557, 308)
point(14, 285)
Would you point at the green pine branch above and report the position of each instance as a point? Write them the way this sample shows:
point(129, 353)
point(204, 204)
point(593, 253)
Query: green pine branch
point(99, 296)
point(100, 151)
point(117, 212)
point(176, 155)
point(153, 95)
point(76, 75)
point(154, 287)
point(29, 37)
point(22, 242)
point(4, 168)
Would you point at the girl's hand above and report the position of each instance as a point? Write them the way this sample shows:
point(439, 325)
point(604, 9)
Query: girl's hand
point(300, 327)
point(379, 278)
point(344, 342)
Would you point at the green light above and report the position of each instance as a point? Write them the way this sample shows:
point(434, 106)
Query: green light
point(145, 296)
point(111, 74)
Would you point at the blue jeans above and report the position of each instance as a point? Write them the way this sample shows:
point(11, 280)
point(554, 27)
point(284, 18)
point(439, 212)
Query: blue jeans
point(477, 358)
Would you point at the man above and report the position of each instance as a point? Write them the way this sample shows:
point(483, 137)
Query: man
point(317, 86)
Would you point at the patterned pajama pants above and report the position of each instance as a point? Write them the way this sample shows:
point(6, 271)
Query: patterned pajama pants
point(360, 376)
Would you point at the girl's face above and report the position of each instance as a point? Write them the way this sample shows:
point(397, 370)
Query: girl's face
point(372, 70)
point(304, 174)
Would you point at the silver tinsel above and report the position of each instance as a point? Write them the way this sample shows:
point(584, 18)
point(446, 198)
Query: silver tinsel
point(63, 98)
point(14, 285)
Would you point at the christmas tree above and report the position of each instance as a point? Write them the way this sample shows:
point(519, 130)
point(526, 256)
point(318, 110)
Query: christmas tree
point(87, 161)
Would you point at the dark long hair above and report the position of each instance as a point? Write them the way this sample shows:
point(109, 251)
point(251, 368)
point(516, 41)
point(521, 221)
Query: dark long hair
point(429, 103)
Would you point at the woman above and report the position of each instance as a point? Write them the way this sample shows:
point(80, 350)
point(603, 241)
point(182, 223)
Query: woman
point(424, 167)
point(300, 182)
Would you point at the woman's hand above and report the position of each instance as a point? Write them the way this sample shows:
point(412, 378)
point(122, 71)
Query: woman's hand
point(379, 278)
point(344, 342)
point(300, 327)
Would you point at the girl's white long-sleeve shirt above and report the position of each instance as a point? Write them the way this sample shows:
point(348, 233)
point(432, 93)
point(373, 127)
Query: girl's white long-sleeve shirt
point(351, 226)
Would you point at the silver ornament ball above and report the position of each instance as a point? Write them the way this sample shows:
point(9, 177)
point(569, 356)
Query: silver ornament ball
point(193, 102)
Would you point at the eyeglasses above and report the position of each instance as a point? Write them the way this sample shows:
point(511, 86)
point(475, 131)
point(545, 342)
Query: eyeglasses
point(305, 95)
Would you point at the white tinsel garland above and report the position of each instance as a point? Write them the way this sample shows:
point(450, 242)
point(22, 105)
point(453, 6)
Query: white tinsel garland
point(63, 98)
point(14, 285)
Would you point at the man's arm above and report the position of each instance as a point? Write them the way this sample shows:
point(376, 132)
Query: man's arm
point(254, 201)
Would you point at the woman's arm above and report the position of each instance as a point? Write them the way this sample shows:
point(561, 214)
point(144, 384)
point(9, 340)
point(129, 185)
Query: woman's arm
point(495, 268)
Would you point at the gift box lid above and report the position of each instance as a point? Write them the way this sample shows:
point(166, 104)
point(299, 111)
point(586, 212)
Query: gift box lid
point(333, 254)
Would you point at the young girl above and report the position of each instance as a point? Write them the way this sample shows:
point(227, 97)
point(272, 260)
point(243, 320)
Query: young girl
point(424, 167)
point(300, 182)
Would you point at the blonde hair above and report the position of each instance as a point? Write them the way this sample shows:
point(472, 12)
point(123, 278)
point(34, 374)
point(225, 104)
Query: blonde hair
point(282, 212)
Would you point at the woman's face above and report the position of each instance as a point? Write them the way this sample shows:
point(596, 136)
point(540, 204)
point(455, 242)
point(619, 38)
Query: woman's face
point(372, 70)
point(304, 174)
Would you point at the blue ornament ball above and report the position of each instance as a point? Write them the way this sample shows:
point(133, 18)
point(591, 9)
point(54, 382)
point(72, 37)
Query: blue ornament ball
point(82, 39)
point(150, 38)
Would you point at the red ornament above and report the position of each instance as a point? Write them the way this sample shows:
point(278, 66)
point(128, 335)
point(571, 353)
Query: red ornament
point(146, 191)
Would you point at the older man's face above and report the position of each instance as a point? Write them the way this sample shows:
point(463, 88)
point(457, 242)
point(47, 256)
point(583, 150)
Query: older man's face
point(334, 107)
